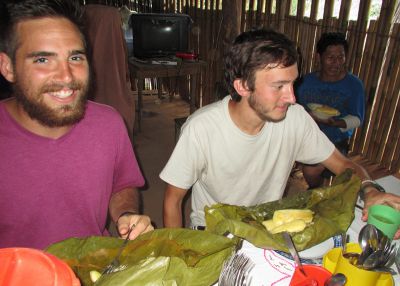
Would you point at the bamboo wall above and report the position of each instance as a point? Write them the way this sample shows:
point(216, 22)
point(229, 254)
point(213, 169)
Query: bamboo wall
point(374, 56)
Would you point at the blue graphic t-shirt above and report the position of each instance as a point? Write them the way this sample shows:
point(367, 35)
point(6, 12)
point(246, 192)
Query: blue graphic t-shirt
point(346, 95)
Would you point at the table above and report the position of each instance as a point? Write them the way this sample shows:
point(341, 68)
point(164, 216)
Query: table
point(140, 70)
point(275, 268)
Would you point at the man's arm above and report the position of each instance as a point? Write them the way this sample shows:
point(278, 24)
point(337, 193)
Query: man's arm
point(173, 198)
point(124, 211)
point(338, 163)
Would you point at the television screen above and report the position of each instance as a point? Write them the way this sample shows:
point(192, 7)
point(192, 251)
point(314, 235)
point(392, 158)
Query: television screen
point(159, 35)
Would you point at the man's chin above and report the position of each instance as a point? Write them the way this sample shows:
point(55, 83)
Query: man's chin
point(57, 117)
point(65, 117)
point(274, 117)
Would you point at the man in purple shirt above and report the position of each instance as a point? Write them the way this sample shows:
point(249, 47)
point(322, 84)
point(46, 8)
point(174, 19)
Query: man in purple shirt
point(66, 162)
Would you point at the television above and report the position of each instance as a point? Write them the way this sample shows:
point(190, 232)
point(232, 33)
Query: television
point(159, 35)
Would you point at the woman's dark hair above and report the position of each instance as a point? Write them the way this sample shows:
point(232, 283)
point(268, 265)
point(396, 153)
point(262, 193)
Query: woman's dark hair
point(255, 50)
point(331, 39)
point(14, 11)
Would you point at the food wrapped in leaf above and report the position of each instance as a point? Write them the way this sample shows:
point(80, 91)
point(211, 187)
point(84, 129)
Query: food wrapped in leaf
point(333, 209)
point(161, 257)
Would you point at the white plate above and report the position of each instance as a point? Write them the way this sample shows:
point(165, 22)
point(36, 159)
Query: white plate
point(317, 251)
point(313, 106)
point(320, 114)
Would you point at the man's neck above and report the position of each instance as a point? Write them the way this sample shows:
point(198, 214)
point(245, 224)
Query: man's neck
point(245, 117)
point(18, 113)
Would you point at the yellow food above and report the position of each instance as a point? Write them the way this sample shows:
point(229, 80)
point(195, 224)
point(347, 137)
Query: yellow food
point(296, 225)
point(94, 275)
point(327, 110)
point(290, 220)
point(285, 216)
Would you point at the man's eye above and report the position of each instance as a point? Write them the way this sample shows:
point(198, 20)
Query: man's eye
point(40, 60)
point(78, 58)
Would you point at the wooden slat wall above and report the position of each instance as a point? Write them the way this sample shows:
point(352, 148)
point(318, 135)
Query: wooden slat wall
point(374, 56)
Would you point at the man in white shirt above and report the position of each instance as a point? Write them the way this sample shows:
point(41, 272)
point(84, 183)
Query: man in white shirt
point(241, 150)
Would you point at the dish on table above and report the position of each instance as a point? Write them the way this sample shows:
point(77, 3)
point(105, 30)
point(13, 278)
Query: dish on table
point(319, 250)
point(322, 111)
point(313, 255)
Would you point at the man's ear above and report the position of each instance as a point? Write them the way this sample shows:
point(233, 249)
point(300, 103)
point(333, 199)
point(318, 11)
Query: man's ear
point(241, 87)
point(6, 67)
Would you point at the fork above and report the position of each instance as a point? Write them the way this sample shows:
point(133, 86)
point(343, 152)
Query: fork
point(115, 264)
point(236, 270)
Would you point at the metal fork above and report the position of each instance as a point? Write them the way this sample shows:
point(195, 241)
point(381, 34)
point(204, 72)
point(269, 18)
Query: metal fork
point(115, 264)
point(236, 270)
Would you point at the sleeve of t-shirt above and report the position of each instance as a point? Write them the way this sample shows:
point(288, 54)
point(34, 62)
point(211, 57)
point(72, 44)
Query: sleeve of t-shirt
point(314, 146)
point(126, 171)
point(187, 160)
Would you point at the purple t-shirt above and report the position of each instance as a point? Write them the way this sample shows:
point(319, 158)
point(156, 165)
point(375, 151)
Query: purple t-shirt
point(51, 190)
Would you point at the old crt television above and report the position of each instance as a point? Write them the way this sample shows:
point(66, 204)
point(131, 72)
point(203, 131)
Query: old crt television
point(159, 35)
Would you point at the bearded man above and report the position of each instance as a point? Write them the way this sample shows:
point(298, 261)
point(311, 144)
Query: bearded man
point(66, 162)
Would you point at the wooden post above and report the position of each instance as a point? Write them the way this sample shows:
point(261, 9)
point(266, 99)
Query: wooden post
point(230, 23)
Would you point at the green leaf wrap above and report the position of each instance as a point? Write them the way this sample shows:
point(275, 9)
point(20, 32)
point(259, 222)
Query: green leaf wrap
point(333, 209)
point(160, 257)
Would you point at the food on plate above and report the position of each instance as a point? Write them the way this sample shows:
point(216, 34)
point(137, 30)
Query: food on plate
point(296, 225)
point(290, 220)
point(323, 111)
point(327, 110)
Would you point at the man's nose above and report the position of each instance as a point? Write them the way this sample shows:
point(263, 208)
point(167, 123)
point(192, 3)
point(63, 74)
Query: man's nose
point(289, 96)
point(64, 72)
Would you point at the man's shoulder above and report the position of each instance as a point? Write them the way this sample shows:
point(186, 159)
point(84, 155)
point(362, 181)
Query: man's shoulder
point(295, 112)
point(307, 80)
point(354, 79)
point(311, 77)
point(213, 111)
point(102, 115)
point(101, 110)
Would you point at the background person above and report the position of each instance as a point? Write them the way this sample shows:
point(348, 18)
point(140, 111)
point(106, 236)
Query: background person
point(66, 163)
point(333, 86)
point(241, 150)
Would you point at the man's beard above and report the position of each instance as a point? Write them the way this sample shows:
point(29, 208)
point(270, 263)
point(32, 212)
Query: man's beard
point(51, 117)
point(261, 111)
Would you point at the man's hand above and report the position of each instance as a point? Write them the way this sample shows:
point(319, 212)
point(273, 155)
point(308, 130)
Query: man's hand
point(374, 197)
point(140, 223)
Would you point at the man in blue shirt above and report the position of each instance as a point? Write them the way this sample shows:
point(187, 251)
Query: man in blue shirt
point(333, 86)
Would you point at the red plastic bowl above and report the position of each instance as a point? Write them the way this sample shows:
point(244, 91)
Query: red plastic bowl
point(27, 266)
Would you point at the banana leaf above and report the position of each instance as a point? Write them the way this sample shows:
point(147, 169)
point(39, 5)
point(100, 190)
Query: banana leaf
point(333, 209)
point(161, 257)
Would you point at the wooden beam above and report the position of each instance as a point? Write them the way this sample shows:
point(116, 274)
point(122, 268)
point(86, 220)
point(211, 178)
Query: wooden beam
point(230, 24)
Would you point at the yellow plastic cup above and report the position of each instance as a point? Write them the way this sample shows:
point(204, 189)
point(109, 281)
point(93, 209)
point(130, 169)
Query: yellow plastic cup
point(336, 263)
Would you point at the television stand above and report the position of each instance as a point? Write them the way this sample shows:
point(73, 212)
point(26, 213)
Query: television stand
point(140, 70)
point(164, 62)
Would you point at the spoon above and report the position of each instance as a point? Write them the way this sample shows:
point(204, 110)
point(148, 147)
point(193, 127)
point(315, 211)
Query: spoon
point(338, 279)
point(296, 257)
point(364, 254)
point(373, 260)
point(390, 257)
point(368, 236)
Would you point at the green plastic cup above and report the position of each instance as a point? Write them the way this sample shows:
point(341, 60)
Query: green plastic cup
point(384, 218)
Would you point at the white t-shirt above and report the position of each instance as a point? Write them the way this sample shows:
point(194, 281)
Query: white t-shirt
point(223, 164)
